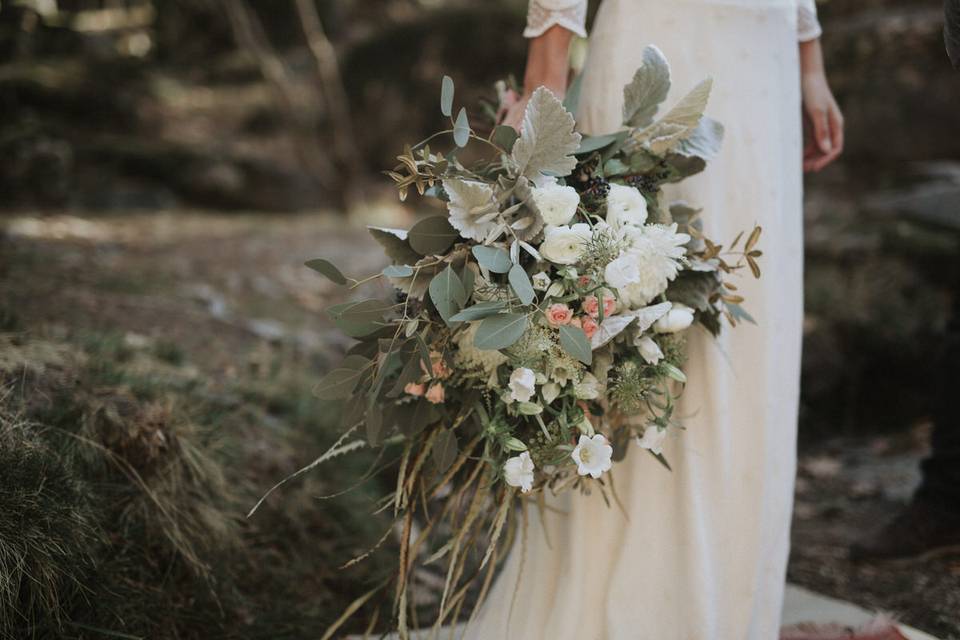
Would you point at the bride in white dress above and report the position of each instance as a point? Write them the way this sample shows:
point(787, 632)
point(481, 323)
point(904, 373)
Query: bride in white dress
point(700, 553)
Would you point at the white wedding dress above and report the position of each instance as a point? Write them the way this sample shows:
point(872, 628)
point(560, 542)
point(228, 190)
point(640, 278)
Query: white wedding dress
point(701, 552)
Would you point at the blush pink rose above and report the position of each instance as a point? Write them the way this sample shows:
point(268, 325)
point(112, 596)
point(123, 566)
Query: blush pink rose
point(435, 393)
point(414, 389)
point(589, 326)
point(591, 306)
point(576, 323)
point(559, 314)
point(584, 281)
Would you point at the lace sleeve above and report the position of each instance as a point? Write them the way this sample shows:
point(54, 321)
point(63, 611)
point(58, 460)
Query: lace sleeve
point(808, 27)
point(543, 14)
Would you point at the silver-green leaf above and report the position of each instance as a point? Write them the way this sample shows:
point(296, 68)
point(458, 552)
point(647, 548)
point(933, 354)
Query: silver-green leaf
point(574, 341)
point(521, 284)
point(337, 384)
point(432, 235)
point(647, 90)
point(547, 140)
point(499, 331)
point(493, 258)
point(327, 269)
point(447, 293)
point(446, 96)
point(461, 129)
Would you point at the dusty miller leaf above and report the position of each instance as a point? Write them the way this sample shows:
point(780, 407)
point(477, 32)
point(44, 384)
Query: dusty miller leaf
point(649, 87)
point(547, 140)
point(679, 123)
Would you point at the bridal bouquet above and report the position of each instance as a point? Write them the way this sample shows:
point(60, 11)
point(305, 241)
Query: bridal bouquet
point(535, 335)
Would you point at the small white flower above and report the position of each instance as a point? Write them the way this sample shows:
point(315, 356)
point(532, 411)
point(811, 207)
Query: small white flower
point(653, 439)
point(557, 204)
point(625, 206)
point(518, 472)
point(649, 349)
point(550, 392)
point(564, 245)
point(677, 319)
point(522, 384)
point(588, 388)
point(592, 455)
point(540, 281)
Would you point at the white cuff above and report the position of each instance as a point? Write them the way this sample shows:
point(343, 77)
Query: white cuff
point(808, 27)
point(569, 14)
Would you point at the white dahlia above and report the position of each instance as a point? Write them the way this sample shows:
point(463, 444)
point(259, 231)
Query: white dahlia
point(657, 252)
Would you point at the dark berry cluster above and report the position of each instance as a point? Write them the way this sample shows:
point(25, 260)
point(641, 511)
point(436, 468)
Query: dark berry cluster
point(649, 182)
point(592, 188)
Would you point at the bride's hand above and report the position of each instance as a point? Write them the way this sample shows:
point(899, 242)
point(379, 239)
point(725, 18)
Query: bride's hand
point(822, 120)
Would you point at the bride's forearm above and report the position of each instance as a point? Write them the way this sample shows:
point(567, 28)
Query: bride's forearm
point(811, 58)
point(548, 61)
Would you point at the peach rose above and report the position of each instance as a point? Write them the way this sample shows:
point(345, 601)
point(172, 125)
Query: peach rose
point(414, 389)
point(435, 393)
point(591, 306)
point(589, 326)
point(559, 314)
point(438, 368)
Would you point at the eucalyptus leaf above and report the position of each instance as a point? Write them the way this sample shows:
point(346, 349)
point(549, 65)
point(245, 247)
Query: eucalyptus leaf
point(373, 421)
point(327, 269)
point(461, 129)
point(432, 235)
point(446, 96)
point(647, 90)
point(359, 319)
point(398, 271)
point(395, 244)
point(593, 143)
point(521, 284)
point(337, 384)
point(499, 331)
point(447, 293)
point(445, 449)
point(547, 138)
point(575, 342)
point(479, 311)
point(505, 136)
point(615, 167)
point(495, 259)
point(416, 417)
point(571, 99)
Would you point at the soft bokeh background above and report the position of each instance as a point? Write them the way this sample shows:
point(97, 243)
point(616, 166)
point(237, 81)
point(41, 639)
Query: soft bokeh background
point(165, 168)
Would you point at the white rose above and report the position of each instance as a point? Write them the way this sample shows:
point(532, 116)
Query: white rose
point(557, 204)
point(564, 245)
point(522, 384)
point(653, 439)
point(626, 206)
point(677, 319)
point(518, 472)
point(592, 455)
point(649, 350)
point(588, 388)
point(622, 271)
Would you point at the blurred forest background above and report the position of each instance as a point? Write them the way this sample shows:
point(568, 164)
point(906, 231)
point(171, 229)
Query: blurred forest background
point(165, 168)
